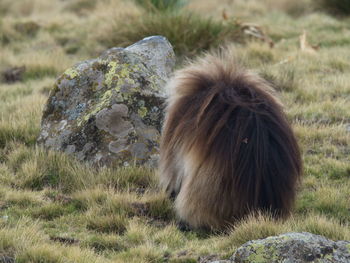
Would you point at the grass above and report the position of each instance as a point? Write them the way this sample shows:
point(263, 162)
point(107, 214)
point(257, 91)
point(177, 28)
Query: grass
point(189, 33)
point(337, 7)
point(81, 7)
point(161, 5)
point(56, 209)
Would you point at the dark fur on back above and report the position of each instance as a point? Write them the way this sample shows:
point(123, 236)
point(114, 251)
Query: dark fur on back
point(227, 148)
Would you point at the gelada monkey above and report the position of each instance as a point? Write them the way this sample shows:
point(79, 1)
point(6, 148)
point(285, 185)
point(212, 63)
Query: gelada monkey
point(227, 148)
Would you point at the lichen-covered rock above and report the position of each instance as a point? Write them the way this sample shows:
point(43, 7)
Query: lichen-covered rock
point(108, 111)
point(293, 248)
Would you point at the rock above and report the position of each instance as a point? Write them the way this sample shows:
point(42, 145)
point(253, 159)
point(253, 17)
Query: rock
point(208, 259)
point(6, 259)
point(13, 74)
point(293, 248)
point(108, 111)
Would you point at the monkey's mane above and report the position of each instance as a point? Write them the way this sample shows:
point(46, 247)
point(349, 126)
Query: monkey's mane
point(231, 121)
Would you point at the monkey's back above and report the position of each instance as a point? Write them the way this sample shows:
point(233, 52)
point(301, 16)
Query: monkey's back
point(227, 148)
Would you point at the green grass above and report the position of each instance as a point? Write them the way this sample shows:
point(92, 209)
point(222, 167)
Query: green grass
point(56, 209)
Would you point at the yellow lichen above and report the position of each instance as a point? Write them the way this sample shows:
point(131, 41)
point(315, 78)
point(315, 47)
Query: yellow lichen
point(121, 72)
point(328, 256)
point(262, 254)
point(111, 73)
point(142, 111)
point(125, 71)
point(103, 102)
point(116, 78)
point(71, 73)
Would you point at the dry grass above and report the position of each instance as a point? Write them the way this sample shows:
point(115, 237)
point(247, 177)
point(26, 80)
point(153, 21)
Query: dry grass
point(55, 209)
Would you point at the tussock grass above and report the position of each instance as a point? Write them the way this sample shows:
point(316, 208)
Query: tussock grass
point(293, 8)
point(337, 7)
point(6, 33)
point(81, 7)
point(51, 211)
point(22, 199)
point(36, 168)
point(255, 227)
point(29, 28)
point(282, 78)
point(39, 71)
point(4, 8)
point(327, 201)
point(262, 226)
point(189, 33)
point(107, 224)
point(322, 225)
point(56, 209)
point(161, 5)
point(102, 242)
point(25, 242)
point(159, 207)
point(20, 124)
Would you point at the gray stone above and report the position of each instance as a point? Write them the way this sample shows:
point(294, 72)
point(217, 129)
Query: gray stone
point(108, 111)
point(293, 248)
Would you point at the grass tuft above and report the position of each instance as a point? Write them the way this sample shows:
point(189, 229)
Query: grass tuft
point(160, 207)
point(10, 133)
point(23, 199)
point(28, 28)
point(189, 33)
point(107, 224)
point(282, 78)
point(161, 5)
point(321, 225)
point(39, 72)
point(81, 7)
point(255, 227)
point(52, 211)
point(336, 7)
point(43, 253)
point(104, 242)
point(327, 201)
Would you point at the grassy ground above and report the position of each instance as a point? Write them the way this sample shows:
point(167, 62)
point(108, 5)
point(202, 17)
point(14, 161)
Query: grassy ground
point(54, 209)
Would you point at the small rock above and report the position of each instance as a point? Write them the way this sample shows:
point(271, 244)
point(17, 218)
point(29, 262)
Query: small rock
point(6, 259)
point(13, 74)
point(208, 259)
point(293, 248)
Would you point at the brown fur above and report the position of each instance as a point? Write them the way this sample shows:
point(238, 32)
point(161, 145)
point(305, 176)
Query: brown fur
point(226, 148)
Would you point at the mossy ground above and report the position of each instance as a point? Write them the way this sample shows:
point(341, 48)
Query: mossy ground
point(55, 209)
